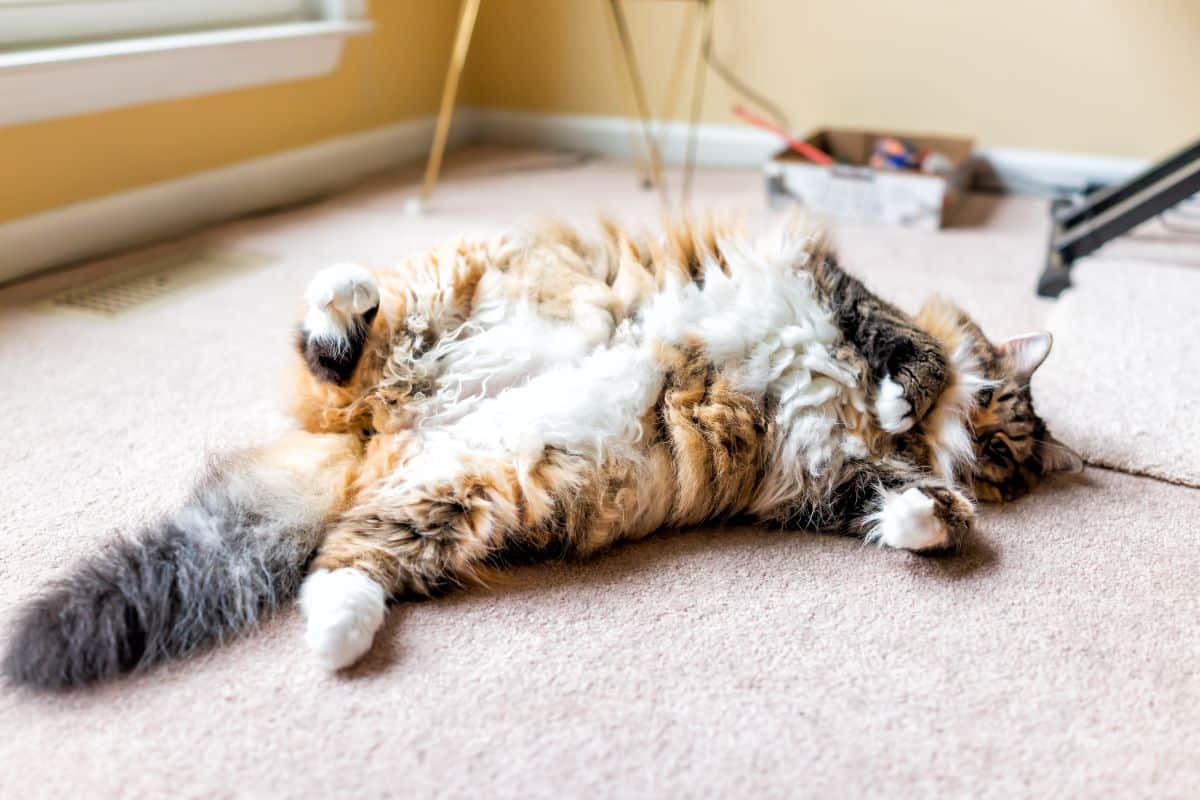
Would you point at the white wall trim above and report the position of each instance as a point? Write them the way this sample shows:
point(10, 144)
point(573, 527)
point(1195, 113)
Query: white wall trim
point(1024, 171)
point(1014, 169)
point(143, 215)
point(716, 145)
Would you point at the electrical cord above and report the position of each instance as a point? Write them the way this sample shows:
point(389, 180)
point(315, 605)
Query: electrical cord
point(736, 83)
point(708, 57)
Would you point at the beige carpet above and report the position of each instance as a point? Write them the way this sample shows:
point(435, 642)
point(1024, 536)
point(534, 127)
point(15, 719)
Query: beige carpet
point(1057, 657)
point(1126, 390)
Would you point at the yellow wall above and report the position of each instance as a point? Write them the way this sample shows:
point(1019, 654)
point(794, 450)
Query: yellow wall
point(394, 73)
point(1113, 77)
point(1090, 76)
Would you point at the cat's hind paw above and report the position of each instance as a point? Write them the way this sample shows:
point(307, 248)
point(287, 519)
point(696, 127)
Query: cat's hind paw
point(909, 521)
point(337, 297)
point(892, 409)
point(342, 302)
point(343, 609)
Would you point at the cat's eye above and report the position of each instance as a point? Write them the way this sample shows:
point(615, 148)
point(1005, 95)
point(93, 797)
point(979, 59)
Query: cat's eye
point(1004, 398)
point(985, 396)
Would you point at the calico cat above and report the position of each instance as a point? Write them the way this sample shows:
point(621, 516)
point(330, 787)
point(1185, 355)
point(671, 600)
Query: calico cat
point(550, 394)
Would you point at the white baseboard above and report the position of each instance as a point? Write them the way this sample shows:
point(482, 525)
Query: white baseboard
point(716, 145)
point(161, 210)
point(1011, 169)
point(1022, 171)
point(737, 145)
point(127, 219)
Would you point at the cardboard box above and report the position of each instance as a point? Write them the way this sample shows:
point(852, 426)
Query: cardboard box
point(852, 190)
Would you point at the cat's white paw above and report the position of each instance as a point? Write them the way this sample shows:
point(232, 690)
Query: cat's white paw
point(892, 410)
point(342, 610)
point(907, 522)
point(336, 296)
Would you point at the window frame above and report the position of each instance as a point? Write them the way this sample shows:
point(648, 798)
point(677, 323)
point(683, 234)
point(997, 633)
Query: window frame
point(40, 24)
point(64, 80)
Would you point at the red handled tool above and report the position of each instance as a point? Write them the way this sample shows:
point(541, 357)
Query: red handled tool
point(805, 149)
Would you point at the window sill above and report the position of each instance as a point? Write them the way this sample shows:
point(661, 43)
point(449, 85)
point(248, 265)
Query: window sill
point(62, 81)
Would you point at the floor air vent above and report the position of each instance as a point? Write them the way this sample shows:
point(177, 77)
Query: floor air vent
point(152, 281)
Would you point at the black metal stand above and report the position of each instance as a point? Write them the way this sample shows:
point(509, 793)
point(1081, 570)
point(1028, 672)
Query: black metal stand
point(1081, 227)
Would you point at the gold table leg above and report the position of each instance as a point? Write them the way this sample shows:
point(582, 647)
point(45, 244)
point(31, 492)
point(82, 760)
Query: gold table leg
point(679, 62)
point(689, 160)
point(639, 96)
point(458, 58)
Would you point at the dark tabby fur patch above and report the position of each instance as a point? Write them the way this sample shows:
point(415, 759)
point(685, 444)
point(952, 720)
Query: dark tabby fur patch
point(887, 337)
point(334, 362)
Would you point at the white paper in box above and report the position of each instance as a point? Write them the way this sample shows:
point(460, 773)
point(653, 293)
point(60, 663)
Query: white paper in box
point(854, 191)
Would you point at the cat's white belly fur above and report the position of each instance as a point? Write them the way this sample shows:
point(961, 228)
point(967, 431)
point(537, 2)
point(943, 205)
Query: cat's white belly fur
point(524, 382)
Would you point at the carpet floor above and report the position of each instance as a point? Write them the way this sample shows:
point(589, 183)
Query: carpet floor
point(1057, 656)
point(1127, 332)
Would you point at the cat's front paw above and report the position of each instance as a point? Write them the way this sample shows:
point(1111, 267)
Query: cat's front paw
point(930, 519)
point(892, 409)
point(343, 609)
point(909, 521)
point(338, 296)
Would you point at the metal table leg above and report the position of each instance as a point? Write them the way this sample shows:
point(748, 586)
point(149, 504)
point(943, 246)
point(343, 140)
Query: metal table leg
point(458, 58)
point(639, 96)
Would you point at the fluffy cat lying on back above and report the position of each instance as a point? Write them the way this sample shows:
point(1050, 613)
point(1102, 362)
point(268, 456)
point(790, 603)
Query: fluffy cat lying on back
point(553, 395)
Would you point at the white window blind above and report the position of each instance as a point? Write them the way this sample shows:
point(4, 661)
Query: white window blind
point(29, 24)
point(63, 57)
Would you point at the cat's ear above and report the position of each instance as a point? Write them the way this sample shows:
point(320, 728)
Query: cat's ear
point(1027, 352)
point(1057, 457)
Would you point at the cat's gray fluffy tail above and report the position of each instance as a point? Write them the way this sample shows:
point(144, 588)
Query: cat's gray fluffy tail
point(235, 551)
